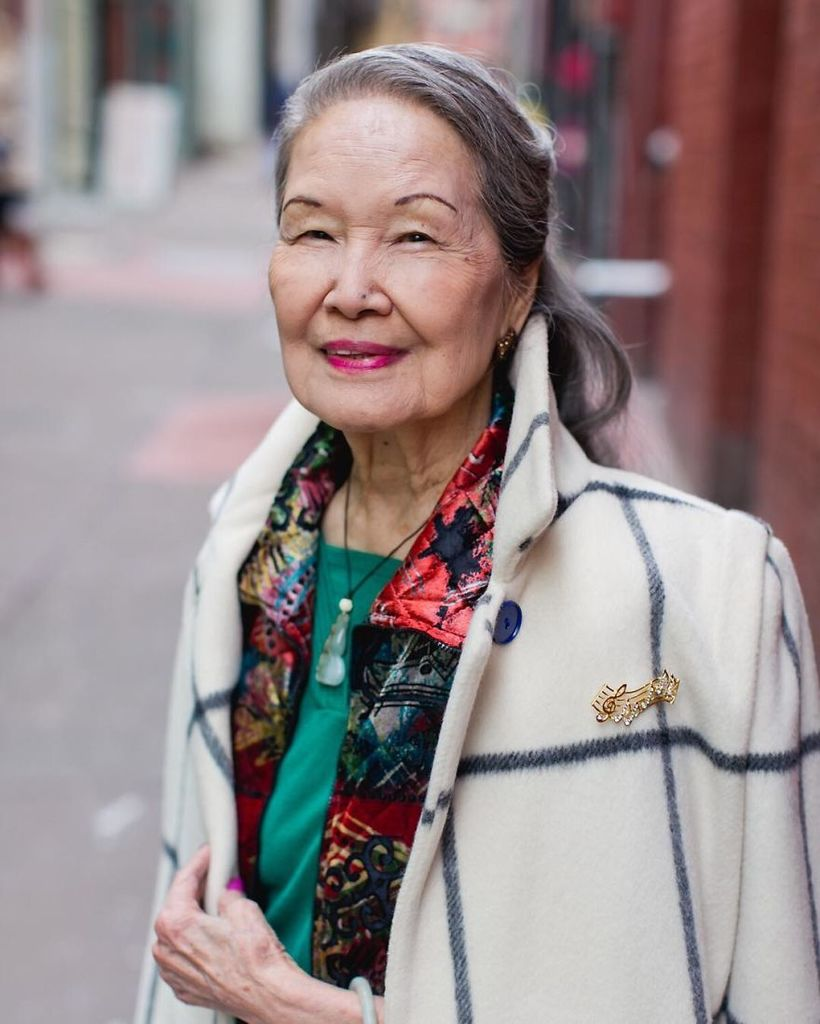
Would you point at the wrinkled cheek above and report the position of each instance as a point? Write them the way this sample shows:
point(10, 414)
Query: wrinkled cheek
point(297, 283)
point(297, 362)
point(412, 277)
point(295, 300)
point(285, 285)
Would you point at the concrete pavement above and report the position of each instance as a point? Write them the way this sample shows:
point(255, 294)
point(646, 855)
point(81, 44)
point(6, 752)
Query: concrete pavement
point(129, 390)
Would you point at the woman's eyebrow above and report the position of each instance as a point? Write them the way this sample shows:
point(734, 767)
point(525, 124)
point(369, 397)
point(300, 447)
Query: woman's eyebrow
point(424, 195)
point(301, 199)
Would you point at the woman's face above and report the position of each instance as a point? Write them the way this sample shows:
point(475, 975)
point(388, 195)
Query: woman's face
point(388, 279)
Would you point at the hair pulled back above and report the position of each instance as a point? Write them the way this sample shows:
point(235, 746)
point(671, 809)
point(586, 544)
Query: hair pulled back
point(515, 162)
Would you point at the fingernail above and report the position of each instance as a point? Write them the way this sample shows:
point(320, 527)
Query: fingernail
point(235, 885)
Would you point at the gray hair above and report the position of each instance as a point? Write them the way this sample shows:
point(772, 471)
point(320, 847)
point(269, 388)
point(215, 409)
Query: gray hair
point(515, 163)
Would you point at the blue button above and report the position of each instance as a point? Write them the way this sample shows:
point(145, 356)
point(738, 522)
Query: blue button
point(508, 623)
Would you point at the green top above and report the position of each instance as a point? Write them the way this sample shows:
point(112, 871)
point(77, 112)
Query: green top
point(293, 823)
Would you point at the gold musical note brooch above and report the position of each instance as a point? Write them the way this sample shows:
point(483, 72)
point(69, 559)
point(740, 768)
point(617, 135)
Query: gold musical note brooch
point(622, 705)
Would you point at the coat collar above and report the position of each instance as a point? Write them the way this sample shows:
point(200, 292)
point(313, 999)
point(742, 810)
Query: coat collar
point(542, 457)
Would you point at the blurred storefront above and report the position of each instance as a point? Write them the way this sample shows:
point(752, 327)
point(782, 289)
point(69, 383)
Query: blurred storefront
point(210, 58)
point(688, 139)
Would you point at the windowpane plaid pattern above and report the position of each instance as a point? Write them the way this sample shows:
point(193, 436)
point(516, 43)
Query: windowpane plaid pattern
point(564, 869)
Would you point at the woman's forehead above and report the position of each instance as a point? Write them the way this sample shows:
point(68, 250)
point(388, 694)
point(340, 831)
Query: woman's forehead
point(390, 144)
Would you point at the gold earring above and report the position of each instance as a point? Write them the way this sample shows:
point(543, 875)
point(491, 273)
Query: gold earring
point(505, 345)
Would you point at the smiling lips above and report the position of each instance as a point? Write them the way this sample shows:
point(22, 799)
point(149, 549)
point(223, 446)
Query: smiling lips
point(360, 356)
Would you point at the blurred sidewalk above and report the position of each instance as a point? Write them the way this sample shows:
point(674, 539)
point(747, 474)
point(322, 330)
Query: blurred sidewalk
point(136, 383)
point(206, 244)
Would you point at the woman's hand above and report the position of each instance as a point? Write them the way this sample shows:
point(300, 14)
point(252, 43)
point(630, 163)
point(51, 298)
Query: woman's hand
point(234, 962)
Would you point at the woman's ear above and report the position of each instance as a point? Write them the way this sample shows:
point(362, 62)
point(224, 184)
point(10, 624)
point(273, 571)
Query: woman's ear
point(523, 295)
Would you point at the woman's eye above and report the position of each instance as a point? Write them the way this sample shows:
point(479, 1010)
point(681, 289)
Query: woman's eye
point(318, 234)
point(416, 236)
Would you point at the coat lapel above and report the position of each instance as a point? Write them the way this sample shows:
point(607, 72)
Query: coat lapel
point(217, 635)
point(526, 507)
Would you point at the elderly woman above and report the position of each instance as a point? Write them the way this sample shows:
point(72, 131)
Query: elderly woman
point(485, 729)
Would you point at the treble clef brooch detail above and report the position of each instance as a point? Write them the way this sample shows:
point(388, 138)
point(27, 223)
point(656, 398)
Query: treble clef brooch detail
point(618, 704)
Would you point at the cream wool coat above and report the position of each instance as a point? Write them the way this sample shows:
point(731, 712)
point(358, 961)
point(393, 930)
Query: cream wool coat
point(566, 870)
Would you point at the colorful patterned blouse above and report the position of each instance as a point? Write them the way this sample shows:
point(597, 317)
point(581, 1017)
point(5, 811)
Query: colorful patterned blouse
point(403, 660)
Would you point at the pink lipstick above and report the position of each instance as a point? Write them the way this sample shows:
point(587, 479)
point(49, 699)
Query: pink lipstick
point(360, 356)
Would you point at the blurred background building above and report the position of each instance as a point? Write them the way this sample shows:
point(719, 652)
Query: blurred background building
point(689, 150)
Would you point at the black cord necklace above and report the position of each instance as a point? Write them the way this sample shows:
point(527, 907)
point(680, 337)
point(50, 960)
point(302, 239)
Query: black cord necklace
point(330, 669)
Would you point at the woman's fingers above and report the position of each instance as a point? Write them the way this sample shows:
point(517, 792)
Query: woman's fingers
point(184, 900)
point(233, 961)
point(245, 916)
point(227, 899)
point(188, 885)
point(190, 880)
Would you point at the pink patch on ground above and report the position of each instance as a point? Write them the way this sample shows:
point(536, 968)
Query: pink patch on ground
point(204, 440)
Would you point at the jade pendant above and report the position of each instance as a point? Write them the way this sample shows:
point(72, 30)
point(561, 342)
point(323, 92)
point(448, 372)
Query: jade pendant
point(330, 670)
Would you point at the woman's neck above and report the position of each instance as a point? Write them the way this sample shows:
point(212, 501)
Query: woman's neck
point(397, 476)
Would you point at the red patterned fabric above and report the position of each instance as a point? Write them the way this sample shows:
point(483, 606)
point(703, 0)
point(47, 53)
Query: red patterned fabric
point(449, 564)
point(402, 666)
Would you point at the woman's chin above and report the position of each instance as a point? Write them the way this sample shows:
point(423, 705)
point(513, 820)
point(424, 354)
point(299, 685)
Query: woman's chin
point(363, 421)
point(353, 406)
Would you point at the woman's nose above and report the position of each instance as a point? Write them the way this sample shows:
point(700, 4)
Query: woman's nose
point(356, 287)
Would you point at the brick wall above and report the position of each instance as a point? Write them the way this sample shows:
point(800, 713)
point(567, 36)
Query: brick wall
point(788, 481)
point(641, 185)
point(721, 99)
point(699, 88)
point(751, 187)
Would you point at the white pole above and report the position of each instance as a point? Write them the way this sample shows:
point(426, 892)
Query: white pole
point(228, 71)
point(295, 51)
point(36, 91)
